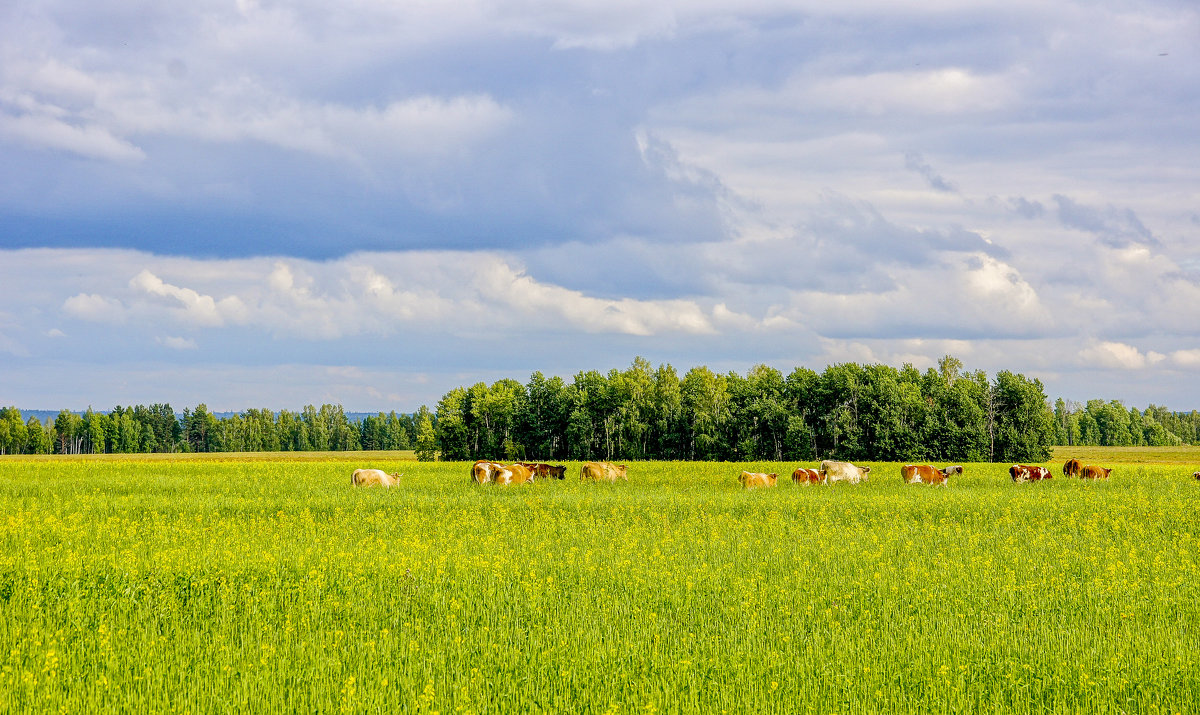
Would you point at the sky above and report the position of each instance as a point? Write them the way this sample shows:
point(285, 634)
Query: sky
point(247, 203)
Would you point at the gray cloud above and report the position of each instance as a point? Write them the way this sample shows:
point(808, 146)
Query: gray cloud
point(1112, 226)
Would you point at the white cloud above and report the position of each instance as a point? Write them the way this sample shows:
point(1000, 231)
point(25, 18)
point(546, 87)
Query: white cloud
point(1119, 356)
point(90, 306)
point(177, 343)
point(195, 307)
point(55, 333)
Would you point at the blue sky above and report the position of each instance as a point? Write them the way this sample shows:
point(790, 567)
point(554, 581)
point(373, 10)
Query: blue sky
point(258, 204)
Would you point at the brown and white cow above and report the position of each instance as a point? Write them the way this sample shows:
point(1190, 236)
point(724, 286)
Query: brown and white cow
point(1028, 473)
point(484, 471)
point(923, 474)
point(512, 474)
point(1196, 476)
point(1072, 468)
point(602, 471)
point(753, 480)
point(373, 478)
point(952, 470)
point(1093, 472)
point(807, 476)
point(843, 472)
point(549, 471)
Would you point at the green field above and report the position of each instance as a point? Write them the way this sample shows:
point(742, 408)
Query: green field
point(261, 583)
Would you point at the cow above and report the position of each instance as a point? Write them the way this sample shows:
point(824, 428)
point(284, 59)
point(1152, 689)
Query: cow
point(602, 471)
point(1072, 468)
point(807, 476)
point(923, 474)
point(952, 470)
point(752, 480)
point(1196, 475)
point(512, 474)
point(1027, 473)
point(550, 471)
point(483, 471)
point(843, 472)
point(373, 478)
point(1093, 472)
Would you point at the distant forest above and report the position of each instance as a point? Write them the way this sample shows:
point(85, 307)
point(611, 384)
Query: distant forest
point(848, 411)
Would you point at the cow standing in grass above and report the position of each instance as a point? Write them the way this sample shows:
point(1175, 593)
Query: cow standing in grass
point(843, 472)
point(603, 472)
point(1072, 468)
point(1093, 472)
point(753, 480)
point(373, 478)
point(923, 474)
point(807, 476)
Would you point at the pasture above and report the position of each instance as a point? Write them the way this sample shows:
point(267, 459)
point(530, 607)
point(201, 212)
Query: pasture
point(267, 582)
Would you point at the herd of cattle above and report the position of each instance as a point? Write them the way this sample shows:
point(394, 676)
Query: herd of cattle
point(830, 471)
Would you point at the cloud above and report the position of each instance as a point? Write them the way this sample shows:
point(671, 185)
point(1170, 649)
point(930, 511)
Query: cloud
point(917, 164)
point(177, 343)
point(95, 308)
point(195, 307)
point(1119, 356)
point(1114, 227)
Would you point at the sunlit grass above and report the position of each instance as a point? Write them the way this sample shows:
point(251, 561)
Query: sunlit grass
point(264, 584)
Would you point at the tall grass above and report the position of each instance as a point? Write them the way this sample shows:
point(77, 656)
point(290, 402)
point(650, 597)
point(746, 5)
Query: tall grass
point(200, 585)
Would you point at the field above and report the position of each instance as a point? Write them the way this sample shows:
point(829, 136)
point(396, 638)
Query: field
point(264, 583)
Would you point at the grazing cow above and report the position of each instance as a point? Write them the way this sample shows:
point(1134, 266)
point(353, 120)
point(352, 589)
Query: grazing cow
point(807, 476)
point(952, 470)
point(1196, 475)
point(751, 480)
point(1027, 473)
point(373, 478)
point(512, 474)
point(843, 472)
point(922, 474)
point(602, 471)
point(549, 471)
point(1072, 468)
point(484, 471)
point(1093, 472)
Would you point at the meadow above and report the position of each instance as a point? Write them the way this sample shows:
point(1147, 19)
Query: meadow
point(261, 583)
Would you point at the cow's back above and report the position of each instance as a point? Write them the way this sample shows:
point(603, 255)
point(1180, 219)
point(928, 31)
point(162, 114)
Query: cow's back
point(1072, 467)
point(603, 471)
point(1093, 472)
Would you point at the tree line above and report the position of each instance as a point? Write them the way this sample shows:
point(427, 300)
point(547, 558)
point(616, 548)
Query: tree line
point(157, 428)
point(848, 411)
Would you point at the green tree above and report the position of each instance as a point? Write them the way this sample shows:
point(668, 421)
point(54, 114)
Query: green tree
point(427, 438)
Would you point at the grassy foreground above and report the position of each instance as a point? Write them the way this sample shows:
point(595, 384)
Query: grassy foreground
point(265, 584)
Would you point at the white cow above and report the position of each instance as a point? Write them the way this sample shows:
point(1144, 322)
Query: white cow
point(843, 472)
point(374, 478)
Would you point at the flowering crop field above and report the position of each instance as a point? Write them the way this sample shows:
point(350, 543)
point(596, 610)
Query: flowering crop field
point(268, 583)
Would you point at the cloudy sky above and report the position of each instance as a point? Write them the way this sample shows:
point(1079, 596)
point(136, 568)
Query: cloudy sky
point(251, 203)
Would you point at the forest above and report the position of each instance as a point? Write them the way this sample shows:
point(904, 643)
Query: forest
point(848, 411)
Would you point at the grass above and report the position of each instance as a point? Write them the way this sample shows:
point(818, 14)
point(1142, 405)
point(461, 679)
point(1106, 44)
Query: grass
point(262, 584)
